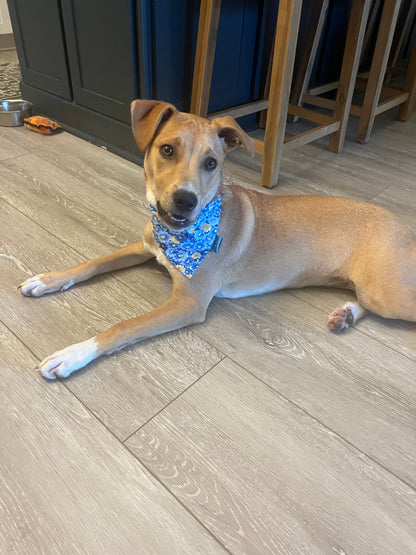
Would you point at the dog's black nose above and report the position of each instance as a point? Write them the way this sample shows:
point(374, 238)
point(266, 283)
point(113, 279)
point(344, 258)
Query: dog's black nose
point(185, 200)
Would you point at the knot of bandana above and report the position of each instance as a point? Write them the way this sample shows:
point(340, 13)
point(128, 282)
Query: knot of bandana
point(187, 248)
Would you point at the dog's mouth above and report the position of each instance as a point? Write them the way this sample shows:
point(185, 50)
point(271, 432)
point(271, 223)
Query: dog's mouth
point(173, 220)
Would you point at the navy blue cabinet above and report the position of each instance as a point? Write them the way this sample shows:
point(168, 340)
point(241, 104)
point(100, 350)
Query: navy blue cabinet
point(84, 61)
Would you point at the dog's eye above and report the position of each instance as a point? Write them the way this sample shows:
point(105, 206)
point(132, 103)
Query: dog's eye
point(166, 150)
point(210, 163)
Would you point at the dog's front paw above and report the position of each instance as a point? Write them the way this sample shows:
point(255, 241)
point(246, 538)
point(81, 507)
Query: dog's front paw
point(62, 363)
point(41, 284)
point(342, 318)
point(33, 287)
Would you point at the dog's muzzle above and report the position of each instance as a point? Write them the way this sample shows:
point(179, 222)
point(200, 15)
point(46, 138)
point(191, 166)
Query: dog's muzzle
point(184, 203)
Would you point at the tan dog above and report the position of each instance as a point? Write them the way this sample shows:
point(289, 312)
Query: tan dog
point(268, 242)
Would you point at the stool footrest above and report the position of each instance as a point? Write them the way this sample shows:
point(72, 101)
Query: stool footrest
point(241, 110)
point(311, 135)
point(310, 115)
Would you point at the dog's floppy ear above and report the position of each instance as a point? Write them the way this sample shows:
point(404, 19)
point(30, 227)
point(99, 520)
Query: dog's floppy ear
point(232, 135)
point(146, 116)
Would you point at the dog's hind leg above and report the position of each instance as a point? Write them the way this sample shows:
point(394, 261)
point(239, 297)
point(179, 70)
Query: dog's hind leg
point(346, 316)
point(41, 284)
point(388, 288)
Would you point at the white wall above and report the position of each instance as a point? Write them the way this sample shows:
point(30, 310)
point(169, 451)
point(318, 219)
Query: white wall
point(5, 25)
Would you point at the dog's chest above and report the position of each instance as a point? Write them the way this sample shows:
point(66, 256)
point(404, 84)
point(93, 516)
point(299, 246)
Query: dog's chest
point(153, 248)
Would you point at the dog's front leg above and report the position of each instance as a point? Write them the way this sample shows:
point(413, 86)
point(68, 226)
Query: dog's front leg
point(41, 284)
point(178, 312)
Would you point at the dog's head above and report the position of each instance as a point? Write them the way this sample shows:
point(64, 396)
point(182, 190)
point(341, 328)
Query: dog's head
point(184, 158)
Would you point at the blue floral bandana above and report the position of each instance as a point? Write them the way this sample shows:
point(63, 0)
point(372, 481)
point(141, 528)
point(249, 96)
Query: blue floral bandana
point(187, 249)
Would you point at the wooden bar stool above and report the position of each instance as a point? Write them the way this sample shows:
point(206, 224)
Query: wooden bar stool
point(404, 28)
point(371, 106)
point(373, 82)
point(277, 104)
point(406, 20)
point(407, 107)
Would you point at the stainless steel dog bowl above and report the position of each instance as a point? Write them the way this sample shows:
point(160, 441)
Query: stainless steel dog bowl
point(13, 112)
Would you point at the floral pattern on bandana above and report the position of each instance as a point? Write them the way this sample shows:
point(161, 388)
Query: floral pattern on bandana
point(187, 248)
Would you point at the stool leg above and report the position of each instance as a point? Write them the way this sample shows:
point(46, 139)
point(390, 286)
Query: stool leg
point(403, 28)
point(372, 19)
point(282, 69)
point(204, 57)
point(351, 60)
point(319, 11)
point(378, 69)
point(407, 107)
point(266, 92)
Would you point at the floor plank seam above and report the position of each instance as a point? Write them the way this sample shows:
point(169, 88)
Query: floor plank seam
point(379, 193)
point(175, 398)
point(315, 419)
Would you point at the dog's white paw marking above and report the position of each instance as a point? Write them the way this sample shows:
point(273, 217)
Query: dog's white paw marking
point(33, 287)
point(345, 316)
point(342, 318)
point(62, 363)
point(41, 284)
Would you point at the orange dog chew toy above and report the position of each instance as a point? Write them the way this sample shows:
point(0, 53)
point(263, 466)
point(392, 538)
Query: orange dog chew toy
point(42, 125)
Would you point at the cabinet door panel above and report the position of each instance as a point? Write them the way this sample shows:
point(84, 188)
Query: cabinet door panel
point(37, 28)
point(98, 35)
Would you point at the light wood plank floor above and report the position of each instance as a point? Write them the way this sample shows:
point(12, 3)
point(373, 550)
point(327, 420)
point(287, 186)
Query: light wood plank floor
point(256, 432)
